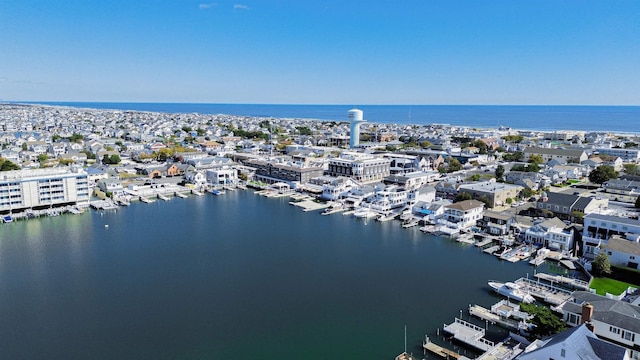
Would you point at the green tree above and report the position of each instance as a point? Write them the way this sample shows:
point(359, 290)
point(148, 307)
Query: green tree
point(546, 322)
point(303, 130)
point(42, 158)
point(602, 174)
point(632, 169)
point(425, 144)
point(536, 159)
point(499, 171)
point(516, 156)
point(76, 138)
point(475, 177)
point(601, 265)
point(6, 165)
point(454, 164)
point(463, 196)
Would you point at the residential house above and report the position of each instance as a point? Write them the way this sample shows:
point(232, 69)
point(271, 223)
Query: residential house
point(412, 180)
point(497, 223)
point(576, 343)
point(548, 154)
point(497, 194)
point(337, 188)
point(552, 234)
point(621, 190)
point(462, 214)
point(612, 320)
point(563, 205)
point(598, 229)
point(623, 252)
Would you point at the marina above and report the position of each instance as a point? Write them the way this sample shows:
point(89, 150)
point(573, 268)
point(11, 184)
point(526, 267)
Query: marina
point(469, 334)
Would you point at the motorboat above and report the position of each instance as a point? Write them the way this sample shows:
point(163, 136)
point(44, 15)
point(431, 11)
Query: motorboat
point(511, 290)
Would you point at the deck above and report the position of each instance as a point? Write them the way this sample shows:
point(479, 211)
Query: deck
point(469, 334)
point(547, 293)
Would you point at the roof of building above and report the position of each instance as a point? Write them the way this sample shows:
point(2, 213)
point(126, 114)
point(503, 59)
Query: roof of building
point(609, 311)
point(617, 243)
point(550, 151)
point(611, 218)
point(466, 205)
point(560, 199)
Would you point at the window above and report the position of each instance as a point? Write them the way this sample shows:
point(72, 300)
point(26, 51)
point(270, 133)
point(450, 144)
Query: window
point(563, 352)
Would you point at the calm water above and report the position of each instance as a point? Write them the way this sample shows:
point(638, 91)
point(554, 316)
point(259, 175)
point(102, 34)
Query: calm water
point(236, 276)
point(586, 118)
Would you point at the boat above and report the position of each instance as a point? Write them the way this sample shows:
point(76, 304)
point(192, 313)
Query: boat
point(7, 219)
point(511, 290)
point(217, 192)
point(364, 212)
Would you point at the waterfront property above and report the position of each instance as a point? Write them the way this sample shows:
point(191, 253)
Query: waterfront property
point(612, 320)
point(43, 188)
point(462, 215)
point(360, 167)
point(599, 228)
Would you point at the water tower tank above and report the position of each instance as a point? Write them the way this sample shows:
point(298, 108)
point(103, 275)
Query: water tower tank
point(355, 114)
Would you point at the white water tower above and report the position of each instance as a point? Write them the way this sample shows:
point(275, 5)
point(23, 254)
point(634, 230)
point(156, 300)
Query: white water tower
point(355, 118)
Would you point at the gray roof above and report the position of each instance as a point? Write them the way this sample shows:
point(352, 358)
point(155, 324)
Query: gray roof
point(616, 243)
point(547, 151)
point(580, 343)
point(612, 218)
point(561, 199)
point(609, 311)
point(582, 203)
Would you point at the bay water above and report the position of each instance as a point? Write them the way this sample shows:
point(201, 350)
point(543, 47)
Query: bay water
point(236, 276)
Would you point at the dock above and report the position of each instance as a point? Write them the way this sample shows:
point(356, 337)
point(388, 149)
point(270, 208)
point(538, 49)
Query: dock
point(196, 193)
point(308, 205)
point(180, 195)
point(440, 351)
point(491, 250)
point(146, 200)
point(469, 334)
point(484, 242)
point(162, 197)
point(410, 224)
point(548, 293)
point(558, 279)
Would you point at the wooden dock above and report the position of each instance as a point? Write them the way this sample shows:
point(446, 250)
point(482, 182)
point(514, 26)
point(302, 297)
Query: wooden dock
point(486, 314)
point(558, 279)
point(548, 293)
point(484, 242)
point(491, 249)
point(439, 350)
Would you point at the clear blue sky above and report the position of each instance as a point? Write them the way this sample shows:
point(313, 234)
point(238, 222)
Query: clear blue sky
point(322, 51)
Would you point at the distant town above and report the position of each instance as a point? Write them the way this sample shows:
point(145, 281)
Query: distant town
point(567, 196)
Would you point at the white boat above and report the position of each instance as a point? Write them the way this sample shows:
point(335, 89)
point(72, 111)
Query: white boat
point(511, 290)
point(364, 212)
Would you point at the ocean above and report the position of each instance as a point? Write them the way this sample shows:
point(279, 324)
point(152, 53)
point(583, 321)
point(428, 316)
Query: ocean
point(619, 119)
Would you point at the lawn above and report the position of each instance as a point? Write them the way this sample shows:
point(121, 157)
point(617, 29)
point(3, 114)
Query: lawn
point(611, 286)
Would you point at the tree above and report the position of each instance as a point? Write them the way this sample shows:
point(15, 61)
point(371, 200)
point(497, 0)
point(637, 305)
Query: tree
point(454, 164)
point(632, 169)
point(536, 159)
point(42, 158)
point(601, 265)
point(463, 196)
point(110, 160)
point(546, 322)
point(499, 171)
point(6, 165)
point(602, 174)
point(516, 156)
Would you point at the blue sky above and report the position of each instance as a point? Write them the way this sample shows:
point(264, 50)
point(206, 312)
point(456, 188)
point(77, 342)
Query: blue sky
point(322, 51)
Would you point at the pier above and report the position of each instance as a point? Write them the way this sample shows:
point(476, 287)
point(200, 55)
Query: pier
point(484, 242)
point(548, 293)
point(469, 334)
point(558, 279)
point(440, 351)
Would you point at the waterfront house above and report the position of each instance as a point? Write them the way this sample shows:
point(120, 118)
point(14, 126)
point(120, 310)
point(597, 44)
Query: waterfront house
point(551, 233)
point(462, 214)
point(338, 188)
point(111, 185)
point(576, 343)
point(611, 319)
point(599, 228)
point(623, 251)
point(294, 174)
point(391, 197)
point(497, 223)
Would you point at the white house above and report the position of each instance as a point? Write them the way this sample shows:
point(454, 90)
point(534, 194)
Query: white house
point(462, 214)
point(551, 233)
